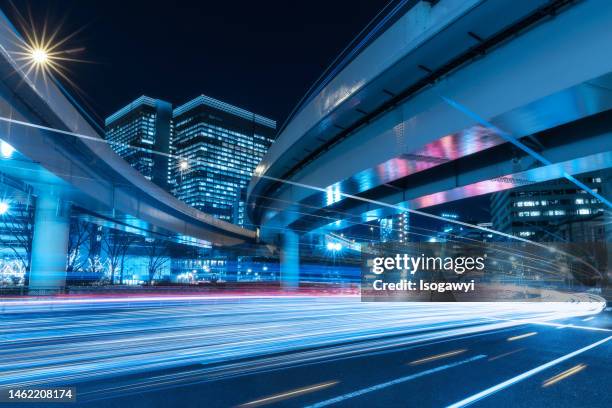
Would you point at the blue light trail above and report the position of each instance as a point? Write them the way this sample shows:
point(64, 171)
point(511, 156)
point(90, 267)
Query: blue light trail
point(76, 340)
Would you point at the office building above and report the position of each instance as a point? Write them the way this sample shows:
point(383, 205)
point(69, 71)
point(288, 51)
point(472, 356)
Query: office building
point(218, 147)
point(141, 133)
point(556, 210)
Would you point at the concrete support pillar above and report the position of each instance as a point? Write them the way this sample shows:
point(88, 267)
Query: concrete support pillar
point(606, 192)
point(290, 260)
point(49, 244)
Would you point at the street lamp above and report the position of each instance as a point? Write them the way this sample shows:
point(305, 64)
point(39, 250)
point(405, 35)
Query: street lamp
point(39, 56)
point(40, 53)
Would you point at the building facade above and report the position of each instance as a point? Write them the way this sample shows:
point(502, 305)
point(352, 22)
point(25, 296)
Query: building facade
point(217, 147)
point(557, 210)
point(141, 133)
point(395, 228)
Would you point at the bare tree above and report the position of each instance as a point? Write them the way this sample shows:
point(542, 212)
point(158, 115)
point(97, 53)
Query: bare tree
point(116, 244)
point(95, 263)
point(18, 223)
point(79, 237)
point(158, 257)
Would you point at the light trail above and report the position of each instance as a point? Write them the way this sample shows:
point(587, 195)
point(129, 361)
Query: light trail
point(262, 365)
point(84, 340)
point(561, 376)
point(437, 357)
point(509, 353)
point(522, 336)
point(289, 394)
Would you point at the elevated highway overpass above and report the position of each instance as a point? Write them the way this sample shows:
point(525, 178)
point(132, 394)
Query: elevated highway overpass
point(63, 157)
point(449, 100)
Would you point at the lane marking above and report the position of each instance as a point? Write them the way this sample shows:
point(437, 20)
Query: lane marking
point(492, 390)
point(294, 393)
point(437, 357)
point(588, 318)
point(392, 382)
point(575, 369)
point(522, 336)
point(505, 354)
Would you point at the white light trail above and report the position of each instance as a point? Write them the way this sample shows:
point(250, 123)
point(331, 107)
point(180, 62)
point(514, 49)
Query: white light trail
point(228, 336)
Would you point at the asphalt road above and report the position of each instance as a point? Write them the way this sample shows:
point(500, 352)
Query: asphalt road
point(432, 355)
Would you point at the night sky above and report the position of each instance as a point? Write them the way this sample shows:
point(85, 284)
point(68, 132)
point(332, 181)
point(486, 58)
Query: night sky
point(262, 56)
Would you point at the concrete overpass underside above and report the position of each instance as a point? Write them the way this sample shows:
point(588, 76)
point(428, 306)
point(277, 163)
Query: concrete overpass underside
point(432, 111)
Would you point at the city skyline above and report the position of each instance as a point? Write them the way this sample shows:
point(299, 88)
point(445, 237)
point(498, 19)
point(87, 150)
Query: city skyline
point(203, 151)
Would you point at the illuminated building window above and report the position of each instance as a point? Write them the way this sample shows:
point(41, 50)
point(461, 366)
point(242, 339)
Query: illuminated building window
point(554, 212)
point(529, 214)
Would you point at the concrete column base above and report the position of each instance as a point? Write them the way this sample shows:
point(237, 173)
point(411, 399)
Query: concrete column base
point(49, 245)
point(290, 260)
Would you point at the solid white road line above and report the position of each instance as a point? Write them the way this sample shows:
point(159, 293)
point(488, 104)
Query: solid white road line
point(492, 390)
point(392, 382)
